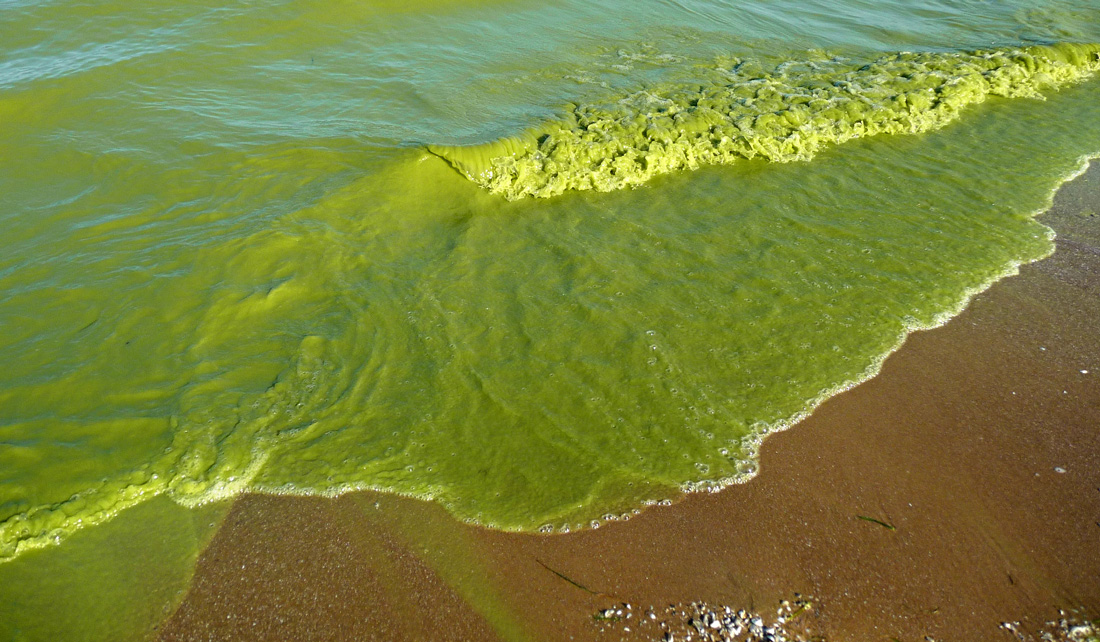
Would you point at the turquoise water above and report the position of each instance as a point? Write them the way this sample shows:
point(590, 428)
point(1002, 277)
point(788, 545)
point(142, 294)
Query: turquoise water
point(243, 250)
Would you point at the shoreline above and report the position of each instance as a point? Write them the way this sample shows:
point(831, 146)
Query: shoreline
point(976, 444)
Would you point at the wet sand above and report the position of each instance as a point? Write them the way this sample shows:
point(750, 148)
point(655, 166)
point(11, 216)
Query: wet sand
point(976, 449)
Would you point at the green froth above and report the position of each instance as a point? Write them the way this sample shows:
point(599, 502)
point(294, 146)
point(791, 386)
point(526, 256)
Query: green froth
point(786, 114)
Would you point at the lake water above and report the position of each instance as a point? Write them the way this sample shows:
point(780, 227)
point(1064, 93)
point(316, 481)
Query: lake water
point(543, 263)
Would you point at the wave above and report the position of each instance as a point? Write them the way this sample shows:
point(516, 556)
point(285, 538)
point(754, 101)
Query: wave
point(786, 114)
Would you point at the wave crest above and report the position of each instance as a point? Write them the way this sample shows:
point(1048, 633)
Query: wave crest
point(787, 114)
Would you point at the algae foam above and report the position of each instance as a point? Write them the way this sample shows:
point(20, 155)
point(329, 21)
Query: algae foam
point(785, 114)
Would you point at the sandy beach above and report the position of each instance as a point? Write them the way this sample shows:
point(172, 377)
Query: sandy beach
point(957, 490)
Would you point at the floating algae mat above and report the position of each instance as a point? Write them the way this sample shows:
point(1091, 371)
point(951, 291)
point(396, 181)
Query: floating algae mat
point(785, 115)
point(242, 250)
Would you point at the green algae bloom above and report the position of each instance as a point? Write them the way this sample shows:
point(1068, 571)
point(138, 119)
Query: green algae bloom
point(786, 114)
point(230, 264)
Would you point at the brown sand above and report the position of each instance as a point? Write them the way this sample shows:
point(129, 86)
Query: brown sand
point(958, 444)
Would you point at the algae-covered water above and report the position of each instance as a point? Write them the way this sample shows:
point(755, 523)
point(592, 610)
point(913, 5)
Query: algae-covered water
point(542, 263)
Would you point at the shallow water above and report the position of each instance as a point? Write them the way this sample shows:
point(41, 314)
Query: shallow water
point(231, 263)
